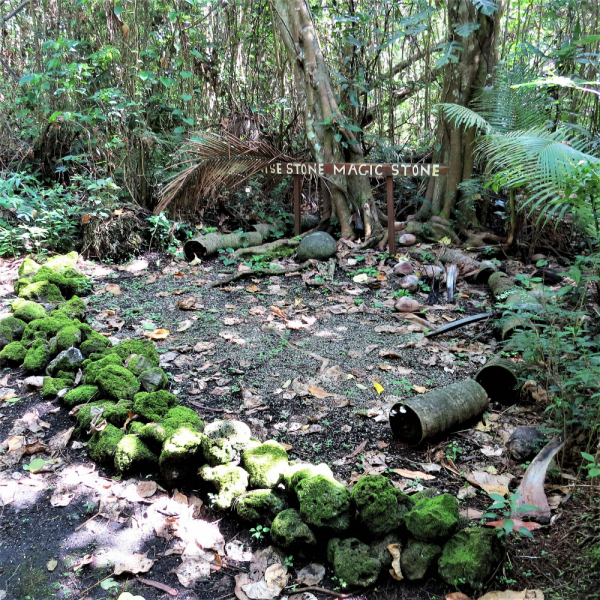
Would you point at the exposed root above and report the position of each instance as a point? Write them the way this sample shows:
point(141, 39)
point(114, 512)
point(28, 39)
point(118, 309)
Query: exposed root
point(266, 248)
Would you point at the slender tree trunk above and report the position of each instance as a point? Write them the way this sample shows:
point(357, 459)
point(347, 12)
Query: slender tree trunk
point(329, 138)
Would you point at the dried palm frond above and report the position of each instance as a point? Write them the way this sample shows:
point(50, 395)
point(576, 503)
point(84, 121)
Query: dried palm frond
point(217, 161)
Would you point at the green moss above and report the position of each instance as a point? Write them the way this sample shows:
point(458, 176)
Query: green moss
point(61, 262)
point(91, 368)
point(137, 364)
point(118, 414)
point(353, 563)
point(433, 518)
point(135, 427)
point(153, 406)
point(132, 453)
point(181, 415)
point(153, 379)
point(295, 473)
point(67, 361)
point(266, 464)
point(288, 530)
point(224, 440)
point(155, 434)
point(471, 557)
point(69, 282)
point(28, 266)
point(418, 558)
point(74, 308)
point(37, 357)
point(324, 503)
point(11, 329)
point(117, 382)
point(145, 347)
point(81, 395)
point(21, 284)
point(28, 311)
point(53, 385)
point(380, 505)
point(94, 342)
point(13, 353)
point(84, 416)
point(49, 326)
point(103, 444)
point(230, 482)
point(180, 453)
point(41, 291)
point(68, 337)
point(261, 505)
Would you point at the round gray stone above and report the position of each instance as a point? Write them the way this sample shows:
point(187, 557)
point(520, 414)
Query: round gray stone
point(319, 245)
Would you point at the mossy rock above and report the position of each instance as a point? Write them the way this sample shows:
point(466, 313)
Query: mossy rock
point(137, 364)
point(353, 562)
point(74, 308)
point(68, 337)
point(37, 357)
point(132, 453)
point(224, 440)
point(153, 406)
point(69, 283)
point(91, 368)
point(13, 354)
point(48, 326)
point(117, 382)
point(153, 380)
point(53, 385)
point(379, 549)
point(144, 347)
point(81, 395)
point(324, 503)
point(41, 291)
point(230, 482)
point(380, 505)
point(182, 415)
point(295, 473)
point(471, 557)
point(94, 342)
point(103, 444)
point(119, 413)
point(61, 262)
point(181, 453)
point(155, 434)
point(289, 531)
point(418, 558)
point(260, 505)
point(319, 245)
point(266, 464)
point(135, 427)
point(28, 311)
point(28, 267)
point(12, 329)
point(433, 519)
point(67, 360)
point(84, 416)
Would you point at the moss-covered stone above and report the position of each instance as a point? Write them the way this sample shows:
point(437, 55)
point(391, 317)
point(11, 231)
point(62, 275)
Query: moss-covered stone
point(49, 326)
point(153, 406)
point(61, 262)
point(67, 360)
point(137, 364)
point(119, 413)
point(84, 416)
point(261, 505)
point(295, 473)
point(181, 453)
point(181, 415)
point(155, 434)
point(417, 559)
point(352, 562)
point(266, 464)
point(380, 505)
point(13, 353)
point(103, 444)
point(224, 440)
point(28, 311)
point(230, 482)
point(69, 282)
point(81, 395)
point(379, 549)
point(117, 382)
point(471, 557)
point(74, 308)
point(153, 379)
point(53, 385)
point(12, 329)
point(288, 530)
point(91, 368)
point(68, 337)
point(28, 267)
point(433, 519)
point(41, 291)
point(20, 284)
point(94, 342)
point(37, 357)
point(144, 347)
point(324, 503)
point(135, 427)
point(132, 453)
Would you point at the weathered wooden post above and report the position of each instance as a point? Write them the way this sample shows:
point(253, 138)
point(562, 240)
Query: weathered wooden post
point(297, 182)
point(391, 212)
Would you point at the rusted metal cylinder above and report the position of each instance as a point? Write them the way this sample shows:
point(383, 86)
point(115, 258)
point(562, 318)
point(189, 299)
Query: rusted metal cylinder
point(425, 416)
point(500, 379)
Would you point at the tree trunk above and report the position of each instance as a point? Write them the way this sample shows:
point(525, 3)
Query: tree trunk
point(462, 79)
point(327, 131)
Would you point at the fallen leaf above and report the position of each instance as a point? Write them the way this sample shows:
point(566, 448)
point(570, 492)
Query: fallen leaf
point(113, 288)
point(378, 387)
point(413, 474)
point(159, 334)
point(466, 492)
point(145, 489)
point(311, 574)
point(137, 265)
point(235, 551)
point(492, 484)
point(508, 595)
point(252, 289)
point(203, 346)
point(318, 392)
point(61, 439)
point(275, 579)
point(190, 571)
point(158, 585)
point(456, 596)
point(136, 563)
point(185, 325)
point(129, 596)
point(51, 564)
point(360, 278)
point(395, 571)
point(420, 389)
point(516, 524)
point(83, 561)
point(472, 514)
point(35, 447)
point(241, 580)
point(61, 497)
point(483, 426)
point(187, 303)
point(489, 451)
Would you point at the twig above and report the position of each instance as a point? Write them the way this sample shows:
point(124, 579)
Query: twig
point(97, 583)
point(321, 590)
point(84, 524)
point(158, 585)
point(460, 323)
point(258, 271)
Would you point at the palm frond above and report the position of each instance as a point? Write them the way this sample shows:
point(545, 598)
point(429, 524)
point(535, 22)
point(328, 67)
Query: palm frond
point(461, 115)
point(215, 161)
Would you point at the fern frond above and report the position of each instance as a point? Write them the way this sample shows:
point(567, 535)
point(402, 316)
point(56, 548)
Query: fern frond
point(463, 116)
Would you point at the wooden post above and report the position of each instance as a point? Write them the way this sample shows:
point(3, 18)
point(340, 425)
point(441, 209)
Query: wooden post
point(297, 204)
point(391, 215)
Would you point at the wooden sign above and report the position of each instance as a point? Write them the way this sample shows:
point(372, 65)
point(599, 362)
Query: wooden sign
point(367, 169)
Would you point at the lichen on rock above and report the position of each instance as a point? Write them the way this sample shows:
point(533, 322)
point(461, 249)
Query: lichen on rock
point(266, 464)
point(433, 519)
point(289, 531)
point(230, 482)
point(224, 440)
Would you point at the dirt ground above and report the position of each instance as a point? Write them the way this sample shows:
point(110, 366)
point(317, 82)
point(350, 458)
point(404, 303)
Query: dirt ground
point(251, 351)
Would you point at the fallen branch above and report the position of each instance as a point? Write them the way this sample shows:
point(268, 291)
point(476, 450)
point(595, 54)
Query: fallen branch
point(259, 271)
point(460, 323)
point(266, 248)
point(321, 590)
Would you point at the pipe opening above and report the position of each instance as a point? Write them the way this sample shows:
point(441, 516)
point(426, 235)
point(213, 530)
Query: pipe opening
point(406, 425)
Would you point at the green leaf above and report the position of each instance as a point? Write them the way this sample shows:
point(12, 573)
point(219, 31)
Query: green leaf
point(109, 583)
point(185, 74)
point(524, 531)
point(179, 130)
point(188, 121)
point(148, 326)
point(185, 97)
point(487, 7)
point(26, 79)
point(337, 137)
point(36, 465)
point(354, 41)
point(593, 472)
point(466, 29)
point(498, 498)
point(508, 525)
point(527, 508)
point(588, 457)
point(167, 81)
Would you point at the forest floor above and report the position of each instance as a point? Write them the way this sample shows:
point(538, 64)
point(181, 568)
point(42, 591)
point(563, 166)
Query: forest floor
point(229, 356)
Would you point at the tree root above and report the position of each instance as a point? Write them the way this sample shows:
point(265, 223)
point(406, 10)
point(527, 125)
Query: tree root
point(266, 248)
point(259, 271)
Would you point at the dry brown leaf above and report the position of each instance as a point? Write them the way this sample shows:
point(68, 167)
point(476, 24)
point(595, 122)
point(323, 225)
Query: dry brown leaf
point(241, 580)
point(61, 497)
point(137, 265)
point(253, 289)
point(145, 489)
point(159, 334)
point(187, 303)
point(185, 325)
point(492, 484)
point(52, 564)
point(414, 474)
point(113, 288)
point(136, 563)
point(275, 579)
point(395, 571)
point(191, 570)
point(83, 561)
point(420, 389)
point(509, 595)
point(61, 439)
point(318, 392)
point(456, 596)
point(529, 525)
point(35, 447)
point(311, 574)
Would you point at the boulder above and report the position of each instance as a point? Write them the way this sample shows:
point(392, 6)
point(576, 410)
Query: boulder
point(403, 268)
point(13, 354)
point(433, 519)
point(353, 562)
point(80, 395)
point(67, 360)
point(261, 505)
point(37, 357)
point(153, 379)
point(137, 364)
point(230, 482)
point(324, 503)
point(224, 440)
point(131, 453)
point(379, 549)
point(296, 472)
point(408, 239)
point(525, 443)
point(417, 558)
point(318, 245)
point(266, 464)
point(154, 406)
point(290, 531)
point(180, 453)
point(117, 382)
point(103, 444)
